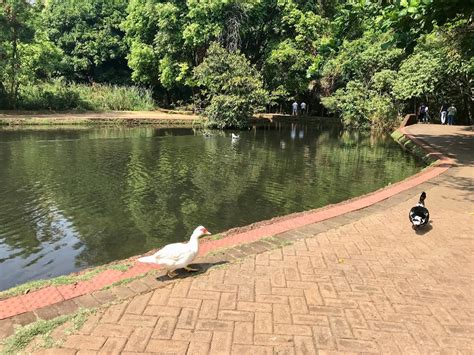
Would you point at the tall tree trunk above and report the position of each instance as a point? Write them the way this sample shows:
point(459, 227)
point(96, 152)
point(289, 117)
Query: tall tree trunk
point(14, 66)
point(467, 99)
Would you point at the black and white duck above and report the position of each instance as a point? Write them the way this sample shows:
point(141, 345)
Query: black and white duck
point(419, 215)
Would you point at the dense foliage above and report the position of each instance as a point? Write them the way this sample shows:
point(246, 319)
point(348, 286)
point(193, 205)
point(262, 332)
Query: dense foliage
point(90, 37)
point(367, 61)
point(231, 87)
point(57, 95)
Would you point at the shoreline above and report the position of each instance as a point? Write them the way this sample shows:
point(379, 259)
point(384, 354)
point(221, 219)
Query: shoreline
point(260, 231)
point(160, 117)
point(130, 118)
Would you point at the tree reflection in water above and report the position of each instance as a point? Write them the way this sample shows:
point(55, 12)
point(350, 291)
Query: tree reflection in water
point(77, 197)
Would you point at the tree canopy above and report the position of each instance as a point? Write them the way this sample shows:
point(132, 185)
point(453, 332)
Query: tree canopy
point(367, 61)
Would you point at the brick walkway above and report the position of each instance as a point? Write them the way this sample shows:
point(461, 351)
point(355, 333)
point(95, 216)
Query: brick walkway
point(360, 282)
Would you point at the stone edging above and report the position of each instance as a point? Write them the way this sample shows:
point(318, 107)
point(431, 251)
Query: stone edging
point(49, 302)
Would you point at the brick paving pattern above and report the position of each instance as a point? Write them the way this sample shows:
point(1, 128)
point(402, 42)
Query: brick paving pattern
point(363, 283)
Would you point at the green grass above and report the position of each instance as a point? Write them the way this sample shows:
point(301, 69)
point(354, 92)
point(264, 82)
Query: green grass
point(281, 242)
point(397, 135)
point(413, 148)
point(218, 251)
point(59, 95)
point(128, 280)
point(61, 280)
point(120, 267)
point(215, 236)
point(43, 329)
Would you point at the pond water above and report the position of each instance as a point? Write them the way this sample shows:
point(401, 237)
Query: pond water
point(77, 197)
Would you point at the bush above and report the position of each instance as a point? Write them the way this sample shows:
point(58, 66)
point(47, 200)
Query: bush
point(116, 98)
point(53, 96)
point(362, 106)
point(59, 96)
point(228, 111)
point(232, 87)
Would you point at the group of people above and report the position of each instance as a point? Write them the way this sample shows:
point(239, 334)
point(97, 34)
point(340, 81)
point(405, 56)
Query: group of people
point(298, 109)
point(447, 114)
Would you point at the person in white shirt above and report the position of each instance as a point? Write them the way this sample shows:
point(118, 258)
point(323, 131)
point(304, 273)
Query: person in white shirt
point(295, 108)
point(303, 108)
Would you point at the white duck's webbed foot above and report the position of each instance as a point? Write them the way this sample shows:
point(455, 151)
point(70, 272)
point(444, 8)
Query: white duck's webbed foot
point(190, 269)
point(171, 273)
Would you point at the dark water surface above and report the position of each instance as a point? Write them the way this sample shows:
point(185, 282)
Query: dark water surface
point(77, 197)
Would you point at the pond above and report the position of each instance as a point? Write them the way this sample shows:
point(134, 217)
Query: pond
point(76, 197)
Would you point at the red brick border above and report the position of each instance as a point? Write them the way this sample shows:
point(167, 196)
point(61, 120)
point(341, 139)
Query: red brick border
point(52, 295)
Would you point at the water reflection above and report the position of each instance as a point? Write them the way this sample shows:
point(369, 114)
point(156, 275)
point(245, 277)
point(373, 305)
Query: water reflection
point(70, 198)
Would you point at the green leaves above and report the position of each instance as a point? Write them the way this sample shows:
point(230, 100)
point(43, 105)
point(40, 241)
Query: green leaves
point(144, 63)
point(417, 76)
point(233, 87)
point(18, 19)
point(295, 48)
point(90, 36)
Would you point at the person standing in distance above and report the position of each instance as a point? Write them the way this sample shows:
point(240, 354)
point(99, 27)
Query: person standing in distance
point(443, 111)
point(421, 113)
point(451, 114)
point(303, 108)
point(294, 111)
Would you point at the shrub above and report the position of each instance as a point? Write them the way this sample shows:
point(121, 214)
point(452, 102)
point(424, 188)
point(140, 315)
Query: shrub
point(112, 97)
point(362, 106)
point(228, 111)
point(52, 96)
point(233, 88)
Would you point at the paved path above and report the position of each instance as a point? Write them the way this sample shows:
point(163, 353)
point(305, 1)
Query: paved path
point(366, 282)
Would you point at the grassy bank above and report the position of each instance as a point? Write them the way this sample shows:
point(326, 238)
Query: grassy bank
point(414, 149)
point(59, 96)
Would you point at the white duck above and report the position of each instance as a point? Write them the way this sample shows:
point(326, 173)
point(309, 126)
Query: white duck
point(177, 255)
point(235, 137)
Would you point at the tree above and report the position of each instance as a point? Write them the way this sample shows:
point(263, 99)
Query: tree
point(159, 55)
point(89, 34)
point(293, 53)
point(168, 39)
point(411, 19)
point(409, 40)
point(362, 74)
point(16, 28)
point(231, 86)
point(440, 68)
point(316, 51)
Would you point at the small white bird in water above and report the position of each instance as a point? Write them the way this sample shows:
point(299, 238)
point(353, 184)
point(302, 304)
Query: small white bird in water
point(177, 255)
point(235, 136)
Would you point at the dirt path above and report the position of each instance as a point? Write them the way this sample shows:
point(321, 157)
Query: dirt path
point(95, 117)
